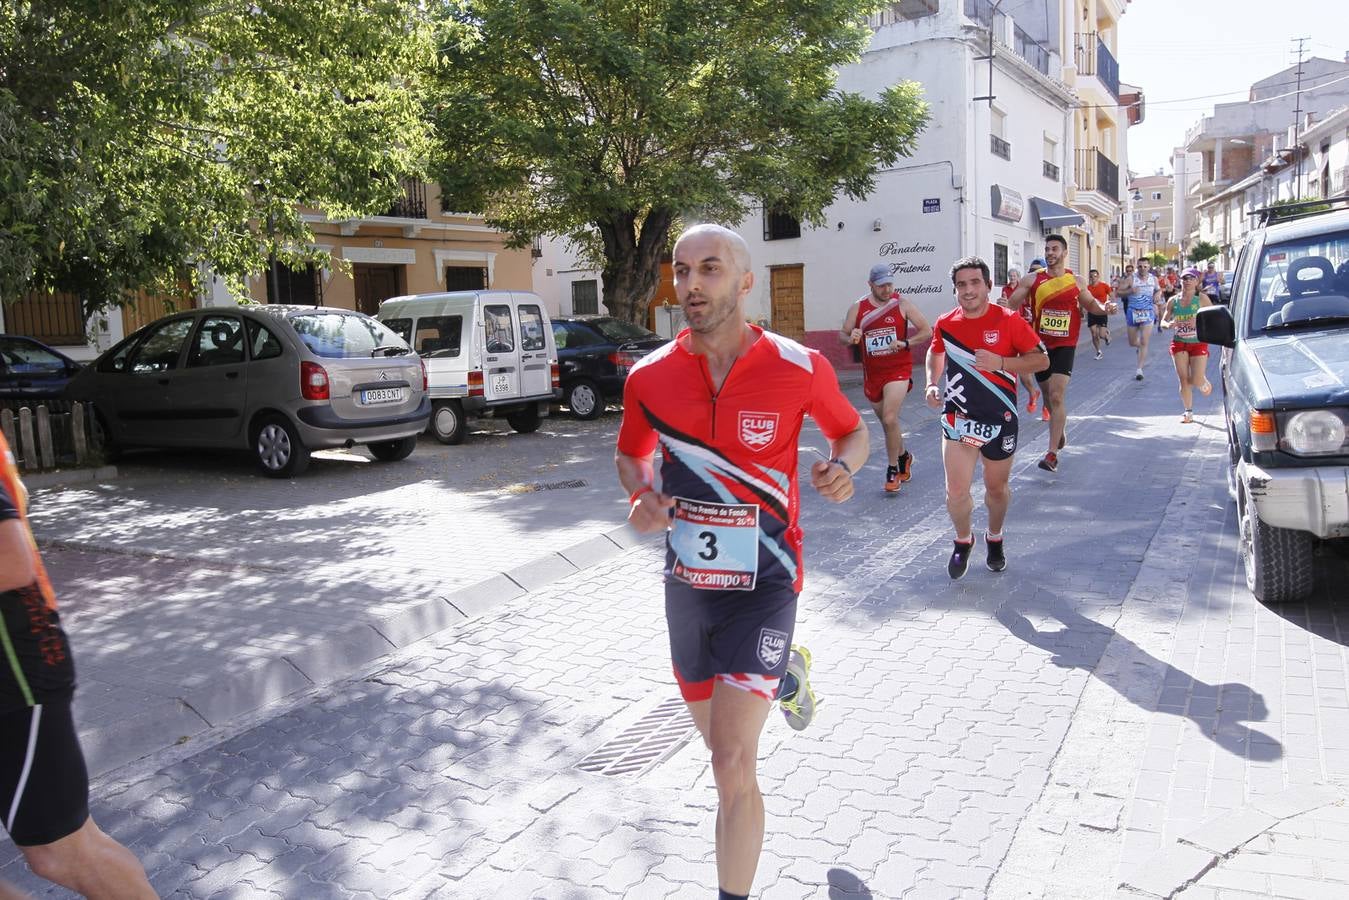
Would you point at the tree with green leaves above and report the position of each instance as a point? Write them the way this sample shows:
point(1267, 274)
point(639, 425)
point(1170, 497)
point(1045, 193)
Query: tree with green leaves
point(143, 139)
point(612, 122)
point(1203, 251)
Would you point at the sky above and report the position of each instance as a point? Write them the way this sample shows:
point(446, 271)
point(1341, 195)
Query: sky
point(1181, 52)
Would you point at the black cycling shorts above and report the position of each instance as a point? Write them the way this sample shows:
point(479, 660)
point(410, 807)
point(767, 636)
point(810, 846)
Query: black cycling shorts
point(1060, 363)
point(44, 785)
point(1094, 320)
point(728, 632)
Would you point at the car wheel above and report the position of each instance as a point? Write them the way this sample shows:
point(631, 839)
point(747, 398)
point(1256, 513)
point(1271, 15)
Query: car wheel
point(447, 421)
point(525, 421)
point(585, 400)
point(393, 451)
point(278, 448)
point(102, 439)
point(1278, 561)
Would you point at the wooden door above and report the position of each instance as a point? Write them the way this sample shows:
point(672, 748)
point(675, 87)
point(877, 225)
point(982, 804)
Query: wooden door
point(788, 301)
point(374, 285)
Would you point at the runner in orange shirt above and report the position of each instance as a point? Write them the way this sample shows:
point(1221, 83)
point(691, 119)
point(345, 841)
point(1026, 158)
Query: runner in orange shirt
point(1099, 324)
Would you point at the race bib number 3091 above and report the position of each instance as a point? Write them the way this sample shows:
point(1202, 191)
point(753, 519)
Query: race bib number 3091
point(1055, 323)
point(716, 545)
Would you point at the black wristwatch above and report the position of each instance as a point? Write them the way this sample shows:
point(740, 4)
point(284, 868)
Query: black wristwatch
point(847, 468)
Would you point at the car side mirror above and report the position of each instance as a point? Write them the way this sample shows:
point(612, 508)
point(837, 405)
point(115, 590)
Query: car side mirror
point(1214, 325)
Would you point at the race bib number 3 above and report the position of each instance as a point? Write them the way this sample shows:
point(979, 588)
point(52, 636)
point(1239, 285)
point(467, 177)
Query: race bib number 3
point(1055, 324)
point(881, 341)
point(716, 545)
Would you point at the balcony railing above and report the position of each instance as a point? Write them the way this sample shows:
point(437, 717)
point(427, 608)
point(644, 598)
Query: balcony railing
point(412, 205)
point(1051, 171)
point(1096, 172)
point(1093, 57)
point(999, 147)
point(1028, 48)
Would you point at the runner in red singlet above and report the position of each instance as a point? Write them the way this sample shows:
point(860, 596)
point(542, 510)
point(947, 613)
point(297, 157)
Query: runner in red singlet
point(884, 325)
point(1058, 299)
point(723, 405)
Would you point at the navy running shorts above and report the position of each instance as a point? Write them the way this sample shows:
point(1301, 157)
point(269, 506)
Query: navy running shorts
point(44, 785)
point(728, 632)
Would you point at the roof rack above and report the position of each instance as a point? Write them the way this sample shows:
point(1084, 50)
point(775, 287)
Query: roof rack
point(1284, 212)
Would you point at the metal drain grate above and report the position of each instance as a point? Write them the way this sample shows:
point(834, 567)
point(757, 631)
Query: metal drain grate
point(645, 744)
point(545, 486)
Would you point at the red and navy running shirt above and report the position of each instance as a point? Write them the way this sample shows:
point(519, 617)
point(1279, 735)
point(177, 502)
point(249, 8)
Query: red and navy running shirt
point(35, 663)
point(972, 392)
point(731, 455)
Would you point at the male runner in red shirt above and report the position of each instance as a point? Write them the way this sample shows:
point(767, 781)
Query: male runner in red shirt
point(879, 324)
point(44, 786)
point(1059, 297)
point(723, 404)
point(980, 348)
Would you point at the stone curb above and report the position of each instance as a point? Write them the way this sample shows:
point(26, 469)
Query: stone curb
point(62, 477)
point(215, 700)
point(1186, 860)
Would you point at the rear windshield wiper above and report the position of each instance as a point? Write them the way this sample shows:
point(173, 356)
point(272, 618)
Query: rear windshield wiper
point(390, 350)
point(1313, 320)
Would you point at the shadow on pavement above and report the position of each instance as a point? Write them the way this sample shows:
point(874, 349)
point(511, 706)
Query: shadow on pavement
point(1217, 709)
point(844, 885)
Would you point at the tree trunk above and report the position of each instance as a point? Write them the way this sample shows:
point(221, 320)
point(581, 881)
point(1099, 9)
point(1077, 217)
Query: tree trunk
point(632, 261)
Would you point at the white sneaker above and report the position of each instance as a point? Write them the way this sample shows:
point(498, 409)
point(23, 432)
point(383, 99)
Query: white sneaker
point(1098, 354)
point(1138, 376)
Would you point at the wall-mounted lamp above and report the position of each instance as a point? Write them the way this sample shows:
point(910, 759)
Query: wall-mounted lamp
point(840, 226)
point(876, 225)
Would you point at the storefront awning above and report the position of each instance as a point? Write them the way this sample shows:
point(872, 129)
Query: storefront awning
point(1053, 215)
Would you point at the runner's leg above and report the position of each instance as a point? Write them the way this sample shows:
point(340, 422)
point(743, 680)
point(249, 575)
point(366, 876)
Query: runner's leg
point(959, 460)
point(736, 720)
point(1199, 373)
point(1056, 395)
point(997, 492)
point(1182, 361)
point(892, 399)
point(91, 864)
point(1144, 333)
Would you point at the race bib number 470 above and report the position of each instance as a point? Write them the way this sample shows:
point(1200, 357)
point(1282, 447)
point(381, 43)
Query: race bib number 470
point(881, 341)
point(716, 545)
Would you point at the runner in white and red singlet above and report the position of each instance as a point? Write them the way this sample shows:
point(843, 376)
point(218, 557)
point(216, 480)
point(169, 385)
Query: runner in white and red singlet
point(723, 406)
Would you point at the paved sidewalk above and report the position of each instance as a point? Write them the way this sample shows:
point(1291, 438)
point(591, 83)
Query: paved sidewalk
point(1072, 727)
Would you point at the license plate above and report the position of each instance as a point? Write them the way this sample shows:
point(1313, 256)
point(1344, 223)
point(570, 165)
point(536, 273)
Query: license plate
point(381, 395)
point(501, 384)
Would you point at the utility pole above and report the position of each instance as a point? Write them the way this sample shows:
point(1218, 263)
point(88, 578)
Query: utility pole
point(1297, 119)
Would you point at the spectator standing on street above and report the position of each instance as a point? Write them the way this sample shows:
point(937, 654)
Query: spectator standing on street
point(885, 325)
point(1099, 324)
point(44, 785)
point(723, 403)
point(978, 348)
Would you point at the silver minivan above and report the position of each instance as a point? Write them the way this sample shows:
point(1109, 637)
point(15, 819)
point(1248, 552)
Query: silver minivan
point(487, 353)
point(279, 381)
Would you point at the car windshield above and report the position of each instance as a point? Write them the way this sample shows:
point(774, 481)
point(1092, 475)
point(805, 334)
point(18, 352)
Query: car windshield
point(344, 335)
point(1302, 283)
point(621, 332)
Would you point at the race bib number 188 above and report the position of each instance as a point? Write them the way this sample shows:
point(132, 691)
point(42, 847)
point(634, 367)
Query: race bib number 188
point(716, 545)
point(968, 431)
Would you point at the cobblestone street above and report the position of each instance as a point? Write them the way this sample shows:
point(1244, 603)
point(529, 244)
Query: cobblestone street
point(1112, 714)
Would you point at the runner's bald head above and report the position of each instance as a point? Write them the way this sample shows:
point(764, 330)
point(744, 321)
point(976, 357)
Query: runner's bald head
point(736, 248)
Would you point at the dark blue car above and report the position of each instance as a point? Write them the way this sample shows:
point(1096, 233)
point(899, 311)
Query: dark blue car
point(594, 354)
point(31, 370)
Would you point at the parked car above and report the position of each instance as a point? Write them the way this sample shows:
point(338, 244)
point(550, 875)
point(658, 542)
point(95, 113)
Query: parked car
point(488, 353)
point(1285, 378)
point(30, 369)
point(277, 380)
point(594, 354)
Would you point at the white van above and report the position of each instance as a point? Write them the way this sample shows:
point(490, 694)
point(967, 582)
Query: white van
point(487, 353)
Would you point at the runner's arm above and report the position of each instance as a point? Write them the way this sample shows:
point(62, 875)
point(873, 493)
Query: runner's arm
point(922, 329)
point(832, 480)
point(936, 365)
point(16, 556)
point(648, 510)
point(1021, 293)
point(849, 325)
